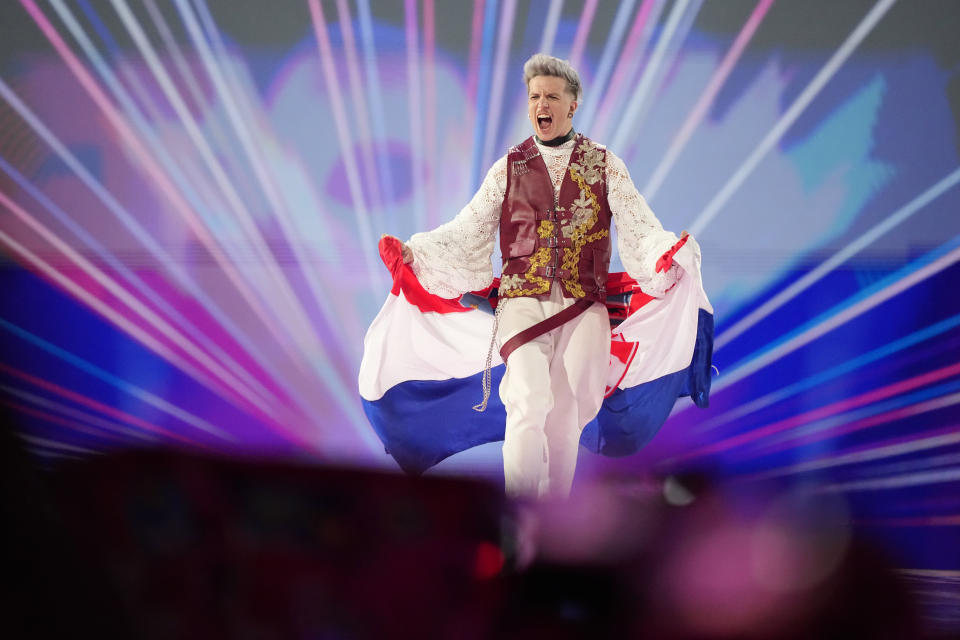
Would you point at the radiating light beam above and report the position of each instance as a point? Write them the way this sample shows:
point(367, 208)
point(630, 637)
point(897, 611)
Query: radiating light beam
point(706, 99)
point(430, 113)
point(129, 73)
point(583, 30)
point(124, 69)
point(224, 383)
point(98, 426)
point(148, 164)
point(375, 96)
point(863, 241)
point(415, 112)
point(500, 61)
point(477, 168)
point(114, 381)
point(233, 395)
point(894, 482)
point(798, 106)
point(922, 442)
point(53, 444)
point(135, 281)
point(362, 121)
point(282, 301)
point(913, 404)
point(350, 332)
point(674, 31)
point(176, 54)
point(919, 521)
point(866, 300)
point(912, 463)
point(588, 107)
point(178, 274)
point(106, 438)
point(121, 96)
point(630, 58)
point(832, 373)
point(820, 413)
point(217, 129)
point(550, 27)
point(40, 452)
point(368, 242)
point(939, 574)
point(105, 409)
point(473, 57)
point(231, 98)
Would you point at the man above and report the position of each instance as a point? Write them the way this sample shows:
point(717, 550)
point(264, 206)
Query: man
point(552, 198)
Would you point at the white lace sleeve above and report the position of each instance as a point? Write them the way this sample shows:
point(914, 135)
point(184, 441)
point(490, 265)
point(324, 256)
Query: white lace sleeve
point(455, 257)
point(641, 239)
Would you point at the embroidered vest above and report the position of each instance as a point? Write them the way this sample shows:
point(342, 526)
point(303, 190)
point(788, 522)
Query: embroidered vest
point(546, 239)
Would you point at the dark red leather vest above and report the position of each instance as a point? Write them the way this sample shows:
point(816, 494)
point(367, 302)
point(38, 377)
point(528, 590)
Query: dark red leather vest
point(545, 240)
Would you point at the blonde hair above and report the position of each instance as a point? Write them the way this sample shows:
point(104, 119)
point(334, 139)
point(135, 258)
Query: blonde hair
point(540, 64)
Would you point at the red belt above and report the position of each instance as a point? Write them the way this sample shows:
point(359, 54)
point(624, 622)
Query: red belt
point(547, 324)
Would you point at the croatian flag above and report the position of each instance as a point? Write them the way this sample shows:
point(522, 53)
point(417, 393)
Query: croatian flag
point(424, 358)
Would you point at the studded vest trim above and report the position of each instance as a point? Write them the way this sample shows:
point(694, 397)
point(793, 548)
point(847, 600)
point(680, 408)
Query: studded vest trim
point(546, 240)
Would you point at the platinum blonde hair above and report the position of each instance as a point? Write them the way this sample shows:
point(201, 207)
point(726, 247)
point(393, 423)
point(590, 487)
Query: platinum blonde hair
point(540, 64)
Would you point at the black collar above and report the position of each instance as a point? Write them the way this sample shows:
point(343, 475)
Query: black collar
point(559, 140)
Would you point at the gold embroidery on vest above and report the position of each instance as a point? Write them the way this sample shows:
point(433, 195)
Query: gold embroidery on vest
point(541, 285)
point(585, 173)
point(546, 229)
point(510, 282)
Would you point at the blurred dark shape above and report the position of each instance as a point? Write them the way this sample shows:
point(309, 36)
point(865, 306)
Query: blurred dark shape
point(556, 602)
point(50, 588)
point(203, 547)
point(752, 564)
point(173, 545)
point(622, 559)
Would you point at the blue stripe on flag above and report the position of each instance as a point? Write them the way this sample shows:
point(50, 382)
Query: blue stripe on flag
point(422, 422)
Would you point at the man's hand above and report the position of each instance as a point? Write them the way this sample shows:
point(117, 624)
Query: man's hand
point(407, 253)
point(666, 260)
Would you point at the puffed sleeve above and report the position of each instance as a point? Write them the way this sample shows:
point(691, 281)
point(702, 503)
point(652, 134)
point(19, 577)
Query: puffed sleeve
point(455, 257)
point(641, 239)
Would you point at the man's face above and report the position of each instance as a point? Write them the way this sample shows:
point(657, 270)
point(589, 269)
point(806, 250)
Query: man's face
point(550, 106)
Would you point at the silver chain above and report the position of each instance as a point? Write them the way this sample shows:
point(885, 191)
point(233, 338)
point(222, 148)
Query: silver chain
point(486, 371)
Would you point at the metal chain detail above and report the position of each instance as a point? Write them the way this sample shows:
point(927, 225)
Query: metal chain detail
point(487, 376)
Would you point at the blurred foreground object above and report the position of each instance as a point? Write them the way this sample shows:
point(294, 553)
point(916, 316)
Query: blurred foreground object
point(169, 545)
point(207, 547)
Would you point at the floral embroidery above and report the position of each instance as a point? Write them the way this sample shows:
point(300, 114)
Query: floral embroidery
point(586, 168)
point(510, 282)
point(591, 163)
point(583, 202)
point(586, 211)
point(582, 218)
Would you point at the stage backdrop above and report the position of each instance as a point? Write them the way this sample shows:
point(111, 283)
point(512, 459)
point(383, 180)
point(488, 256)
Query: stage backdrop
point(191, 194)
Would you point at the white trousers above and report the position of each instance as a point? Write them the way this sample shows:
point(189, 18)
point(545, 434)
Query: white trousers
point(552, 388)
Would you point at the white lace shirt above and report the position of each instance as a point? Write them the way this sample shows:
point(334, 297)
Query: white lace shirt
point(456, 257)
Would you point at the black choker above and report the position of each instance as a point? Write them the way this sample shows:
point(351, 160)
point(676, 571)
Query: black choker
point(559, 140)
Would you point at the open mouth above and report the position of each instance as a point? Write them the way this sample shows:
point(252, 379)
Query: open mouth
point(544, 122)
